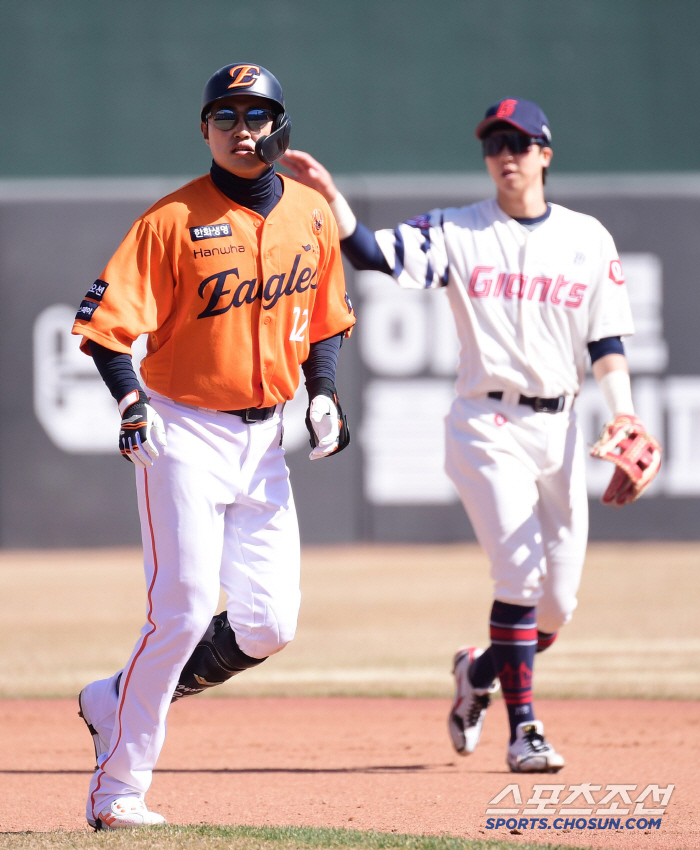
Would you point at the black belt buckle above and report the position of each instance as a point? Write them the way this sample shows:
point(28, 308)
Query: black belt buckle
point(259, 414)
point(549, 405)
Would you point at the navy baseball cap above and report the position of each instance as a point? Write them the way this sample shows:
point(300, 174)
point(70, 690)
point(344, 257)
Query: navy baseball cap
point(524, 115)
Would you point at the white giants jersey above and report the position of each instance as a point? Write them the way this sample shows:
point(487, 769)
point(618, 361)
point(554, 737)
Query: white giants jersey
point(526, 303)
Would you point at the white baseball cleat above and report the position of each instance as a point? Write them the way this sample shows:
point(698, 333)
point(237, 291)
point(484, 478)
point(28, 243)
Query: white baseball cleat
point(530, 752)
point(126, 813)
point(470, 703)
point(97, 706)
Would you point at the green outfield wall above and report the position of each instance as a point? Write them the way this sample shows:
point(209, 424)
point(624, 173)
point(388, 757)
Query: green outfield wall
point(112, 88)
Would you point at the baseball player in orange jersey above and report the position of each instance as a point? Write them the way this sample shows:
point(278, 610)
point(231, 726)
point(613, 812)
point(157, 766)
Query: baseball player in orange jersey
point(237, 279)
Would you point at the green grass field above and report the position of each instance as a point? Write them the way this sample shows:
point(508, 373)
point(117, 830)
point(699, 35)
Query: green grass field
point(253, 838)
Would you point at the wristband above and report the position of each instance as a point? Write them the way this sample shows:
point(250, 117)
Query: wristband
point(321, 386)
point(128, 400)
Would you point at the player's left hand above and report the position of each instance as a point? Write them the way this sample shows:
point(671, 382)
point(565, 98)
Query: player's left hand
point(327, 427)
point(636, 455)
point(141, 427)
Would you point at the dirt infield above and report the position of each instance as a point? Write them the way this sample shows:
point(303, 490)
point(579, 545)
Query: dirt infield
point(381, 621)
point(375, 621)
point(383, 764)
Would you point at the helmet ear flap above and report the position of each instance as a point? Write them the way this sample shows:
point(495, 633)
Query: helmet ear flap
point(270, 148)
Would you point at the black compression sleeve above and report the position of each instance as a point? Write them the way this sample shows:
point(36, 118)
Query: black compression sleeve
point(116, 370)
point(363, 251)
point(601, 347)
point(319, 368)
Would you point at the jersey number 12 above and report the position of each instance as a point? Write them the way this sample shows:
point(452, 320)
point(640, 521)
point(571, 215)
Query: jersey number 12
point(297, 334)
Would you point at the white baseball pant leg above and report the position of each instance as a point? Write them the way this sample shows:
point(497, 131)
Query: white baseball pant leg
point(216, 509)
point(521, 478)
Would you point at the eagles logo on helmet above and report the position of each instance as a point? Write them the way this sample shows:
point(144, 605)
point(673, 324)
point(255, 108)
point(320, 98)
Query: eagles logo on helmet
point(244, 75)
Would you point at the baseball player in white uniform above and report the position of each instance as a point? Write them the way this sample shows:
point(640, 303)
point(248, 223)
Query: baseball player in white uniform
point(237, 279)
point(533, 286)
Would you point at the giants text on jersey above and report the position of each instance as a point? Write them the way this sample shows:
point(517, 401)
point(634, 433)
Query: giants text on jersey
point(526, 303)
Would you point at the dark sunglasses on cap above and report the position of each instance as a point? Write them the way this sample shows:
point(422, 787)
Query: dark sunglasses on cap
point(255, 118)
point(515, 142)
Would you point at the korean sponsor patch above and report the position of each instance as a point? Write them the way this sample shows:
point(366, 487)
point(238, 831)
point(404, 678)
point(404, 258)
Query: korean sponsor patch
point(210, 231)
point(97, 290)
point(86, 310)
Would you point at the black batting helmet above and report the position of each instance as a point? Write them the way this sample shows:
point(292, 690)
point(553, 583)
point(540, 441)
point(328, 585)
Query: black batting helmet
point(246, 78)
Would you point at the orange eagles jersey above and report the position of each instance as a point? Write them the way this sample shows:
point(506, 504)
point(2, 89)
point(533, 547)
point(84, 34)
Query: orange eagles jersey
point(230, 300)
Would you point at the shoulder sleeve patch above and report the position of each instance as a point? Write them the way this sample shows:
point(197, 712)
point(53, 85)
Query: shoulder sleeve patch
point(86, 310)
point(97, 290)
point(616, 273)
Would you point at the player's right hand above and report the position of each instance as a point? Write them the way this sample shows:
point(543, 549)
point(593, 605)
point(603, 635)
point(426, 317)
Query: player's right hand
point(141, 427)
point(310, 172)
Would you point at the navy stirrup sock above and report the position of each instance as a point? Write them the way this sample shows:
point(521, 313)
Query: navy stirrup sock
point(513, 646)
point(545, 640)
point(482, 672)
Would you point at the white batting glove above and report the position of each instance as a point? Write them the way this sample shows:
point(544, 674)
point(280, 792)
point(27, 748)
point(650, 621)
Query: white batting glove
point(323, 415)
point(140, 429)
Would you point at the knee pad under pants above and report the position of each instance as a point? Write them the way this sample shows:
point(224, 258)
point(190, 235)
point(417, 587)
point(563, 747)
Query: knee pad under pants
point(216, 658)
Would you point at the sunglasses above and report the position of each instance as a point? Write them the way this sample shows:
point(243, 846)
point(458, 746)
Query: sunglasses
point(255, 118)
point(515, 142)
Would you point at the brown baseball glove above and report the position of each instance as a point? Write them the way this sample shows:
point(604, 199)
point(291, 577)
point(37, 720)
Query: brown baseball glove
point(636, 455)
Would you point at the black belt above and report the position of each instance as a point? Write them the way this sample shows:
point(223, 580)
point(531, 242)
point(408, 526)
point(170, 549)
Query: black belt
point(254, 414)
point(541, 405)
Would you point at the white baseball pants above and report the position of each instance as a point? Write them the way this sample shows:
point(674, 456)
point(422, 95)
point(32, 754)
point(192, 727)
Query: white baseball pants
point(521, 478)
point(216, 510)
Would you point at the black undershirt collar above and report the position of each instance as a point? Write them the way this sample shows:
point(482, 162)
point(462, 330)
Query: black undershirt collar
point(260, 195)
